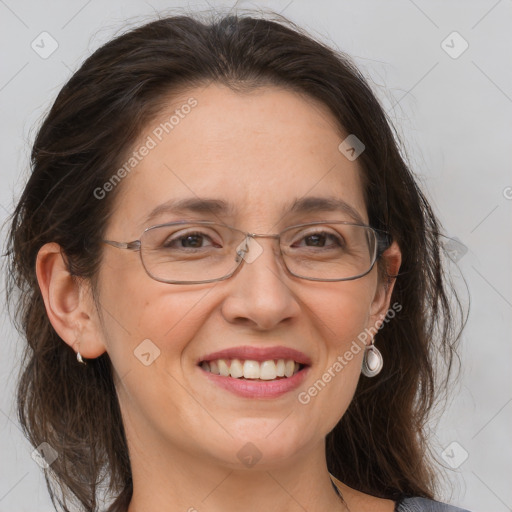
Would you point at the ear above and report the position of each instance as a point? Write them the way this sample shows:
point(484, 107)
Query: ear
point(68, 302)
point(392, 258)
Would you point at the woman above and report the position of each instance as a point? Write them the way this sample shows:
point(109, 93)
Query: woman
point(218, 237)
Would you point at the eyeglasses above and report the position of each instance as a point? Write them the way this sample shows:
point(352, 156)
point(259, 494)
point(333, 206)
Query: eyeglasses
point(186, 252)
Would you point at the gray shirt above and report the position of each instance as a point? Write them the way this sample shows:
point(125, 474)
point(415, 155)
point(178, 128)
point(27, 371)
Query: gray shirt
point(424, 505)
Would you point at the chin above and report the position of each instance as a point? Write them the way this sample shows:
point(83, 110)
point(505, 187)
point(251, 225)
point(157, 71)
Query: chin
point(263, 443)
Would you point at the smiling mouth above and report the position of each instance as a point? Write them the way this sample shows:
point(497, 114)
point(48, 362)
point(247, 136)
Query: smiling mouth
point(249, 369)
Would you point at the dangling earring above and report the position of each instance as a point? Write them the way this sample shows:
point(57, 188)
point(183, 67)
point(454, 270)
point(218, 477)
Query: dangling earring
point(372, 361)
point(79, 357)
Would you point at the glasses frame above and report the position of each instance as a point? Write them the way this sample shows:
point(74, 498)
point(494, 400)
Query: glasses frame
point(383, 241)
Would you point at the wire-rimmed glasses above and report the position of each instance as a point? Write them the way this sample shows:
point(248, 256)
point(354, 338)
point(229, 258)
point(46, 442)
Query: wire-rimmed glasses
point(194, 252)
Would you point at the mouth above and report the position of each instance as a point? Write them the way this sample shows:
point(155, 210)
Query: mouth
point(256, 372)
point(250, 369)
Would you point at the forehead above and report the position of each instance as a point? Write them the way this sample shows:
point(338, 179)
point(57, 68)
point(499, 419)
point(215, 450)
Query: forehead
point(257, 152)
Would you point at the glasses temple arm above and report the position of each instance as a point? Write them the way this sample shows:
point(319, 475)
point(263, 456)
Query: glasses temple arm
point(132, 246)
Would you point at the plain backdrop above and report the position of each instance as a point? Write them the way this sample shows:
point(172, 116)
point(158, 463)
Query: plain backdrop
point(442, 72)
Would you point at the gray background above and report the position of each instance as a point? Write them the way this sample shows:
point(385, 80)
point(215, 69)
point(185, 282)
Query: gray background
point(454, 114)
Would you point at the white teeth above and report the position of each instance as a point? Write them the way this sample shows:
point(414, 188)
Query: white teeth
point(236, 369)
point(223, 368)
point(289, 368)
point(268, 370)
point(250, 369)
point(214, 368)
point(280, 368)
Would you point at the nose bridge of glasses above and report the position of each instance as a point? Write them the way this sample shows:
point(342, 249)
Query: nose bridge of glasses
point(250, 249)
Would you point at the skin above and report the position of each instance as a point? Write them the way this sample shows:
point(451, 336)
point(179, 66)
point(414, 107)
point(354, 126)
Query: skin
point(258, 150)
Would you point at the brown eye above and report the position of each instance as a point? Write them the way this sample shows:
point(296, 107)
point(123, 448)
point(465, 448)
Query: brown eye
point(188, 241)
point(321, 239)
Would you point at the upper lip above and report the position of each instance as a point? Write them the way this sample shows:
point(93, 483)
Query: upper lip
point(258, 354)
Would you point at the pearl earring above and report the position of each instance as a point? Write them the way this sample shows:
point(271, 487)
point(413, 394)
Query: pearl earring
point(372, 361)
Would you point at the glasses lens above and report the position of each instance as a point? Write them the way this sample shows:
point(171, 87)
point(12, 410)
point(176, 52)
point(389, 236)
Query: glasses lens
point(195, 252)
point(334, 251)
point(189, 252)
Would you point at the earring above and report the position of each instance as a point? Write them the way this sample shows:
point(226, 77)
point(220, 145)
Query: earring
point(372, 361)
point(79, 358)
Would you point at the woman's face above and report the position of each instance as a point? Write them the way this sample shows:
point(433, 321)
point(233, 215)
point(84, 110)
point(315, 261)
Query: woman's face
point(259, 152)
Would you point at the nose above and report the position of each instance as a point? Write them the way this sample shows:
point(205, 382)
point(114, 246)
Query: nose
point(261, 291)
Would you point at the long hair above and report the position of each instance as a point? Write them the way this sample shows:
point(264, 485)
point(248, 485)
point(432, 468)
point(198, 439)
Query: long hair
point(380, 445)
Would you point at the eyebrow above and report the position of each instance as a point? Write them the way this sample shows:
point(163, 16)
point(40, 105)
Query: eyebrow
point(219, 207)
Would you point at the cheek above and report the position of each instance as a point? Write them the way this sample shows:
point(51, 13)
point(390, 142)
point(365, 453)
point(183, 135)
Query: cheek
point(340, 317)
point(148, 327)
point(342, 310)
point(142, 315)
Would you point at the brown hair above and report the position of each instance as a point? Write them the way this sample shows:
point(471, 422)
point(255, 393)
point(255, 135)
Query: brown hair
point(380, 444)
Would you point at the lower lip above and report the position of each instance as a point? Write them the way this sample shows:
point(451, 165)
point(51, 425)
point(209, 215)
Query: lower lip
point(258, 388)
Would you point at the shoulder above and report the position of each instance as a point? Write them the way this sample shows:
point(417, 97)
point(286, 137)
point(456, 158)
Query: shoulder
point(425, 505)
